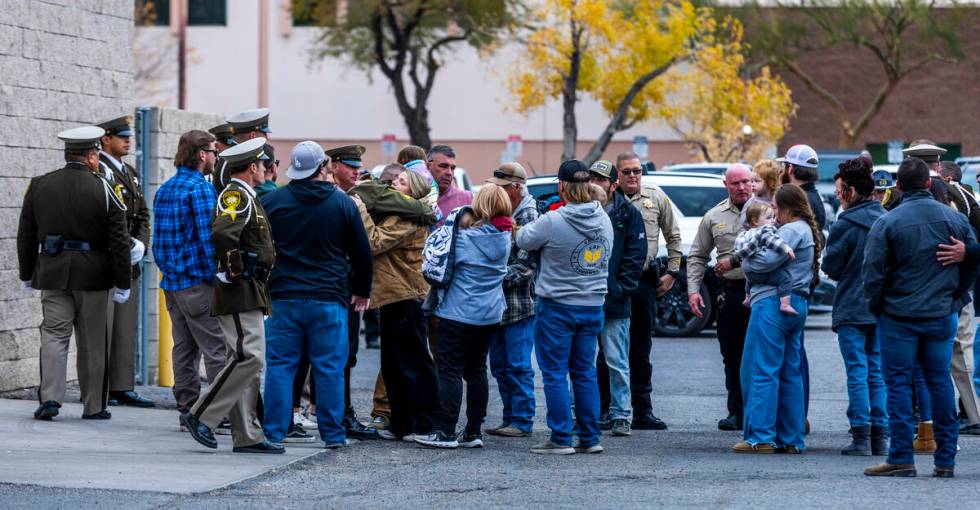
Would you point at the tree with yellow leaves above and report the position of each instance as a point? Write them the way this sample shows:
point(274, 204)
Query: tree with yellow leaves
point(613, 52)
point(722, 114)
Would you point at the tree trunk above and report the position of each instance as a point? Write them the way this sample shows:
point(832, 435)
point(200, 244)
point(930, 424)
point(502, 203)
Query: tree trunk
point(619, 116)
point(569, 125)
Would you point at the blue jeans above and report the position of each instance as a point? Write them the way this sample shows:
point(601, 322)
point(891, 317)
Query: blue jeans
point(866, 393)
point(565, 340)
point(930, 344)
point(321, 327)
point(923, 400)
point(510, 364)
point(615, 340)
point(772, 380)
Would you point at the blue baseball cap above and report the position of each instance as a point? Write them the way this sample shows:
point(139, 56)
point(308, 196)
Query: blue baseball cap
point(306, 158)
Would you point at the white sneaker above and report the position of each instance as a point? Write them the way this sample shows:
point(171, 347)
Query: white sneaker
point(409, 438)
point(386, 435)
point(303, 421)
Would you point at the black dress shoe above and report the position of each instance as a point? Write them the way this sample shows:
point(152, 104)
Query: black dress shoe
point(199, 431)
point(732, 422)
point(47, 410)
point(648, 422)
point(358, 430)
point(130, 398)
point(101, 415)
point(263, 447)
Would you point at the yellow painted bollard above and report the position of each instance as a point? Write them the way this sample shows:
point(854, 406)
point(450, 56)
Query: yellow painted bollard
point(165, 372)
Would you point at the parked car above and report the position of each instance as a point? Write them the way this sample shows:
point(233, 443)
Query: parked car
point(971, 171)
point(691, 195)
point(698, 168)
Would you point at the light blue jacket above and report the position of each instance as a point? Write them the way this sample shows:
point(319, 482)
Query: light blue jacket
point(475, 295)
point(799, 237)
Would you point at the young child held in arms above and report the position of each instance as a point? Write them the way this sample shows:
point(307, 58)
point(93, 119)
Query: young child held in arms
point(762, 234)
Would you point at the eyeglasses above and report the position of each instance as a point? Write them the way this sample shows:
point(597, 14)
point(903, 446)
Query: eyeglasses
point(212, 151)
point(276, 163)
point(631, 171)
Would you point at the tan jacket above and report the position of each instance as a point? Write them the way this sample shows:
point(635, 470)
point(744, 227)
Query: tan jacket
point(396, 245)
point(658, 215)
point(717, 231)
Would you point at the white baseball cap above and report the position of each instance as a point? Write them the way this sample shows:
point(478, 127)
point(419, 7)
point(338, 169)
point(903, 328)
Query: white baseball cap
point(800, 155)
point(305, 160)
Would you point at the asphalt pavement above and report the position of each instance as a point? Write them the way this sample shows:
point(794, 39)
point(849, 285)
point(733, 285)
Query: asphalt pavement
point(689, 465)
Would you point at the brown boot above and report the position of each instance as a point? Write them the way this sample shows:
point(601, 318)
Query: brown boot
point(745, 447)
point(886, 469)
point(925, 443)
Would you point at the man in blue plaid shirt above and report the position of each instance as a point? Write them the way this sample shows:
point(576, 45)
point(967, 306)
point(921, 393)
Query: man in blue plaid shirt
point(182, 249)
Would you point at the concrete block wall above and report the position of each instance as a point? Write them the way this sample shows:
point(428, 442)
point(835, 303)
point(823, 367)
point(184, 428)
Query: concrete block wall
point(166, 126)
point(63, 64)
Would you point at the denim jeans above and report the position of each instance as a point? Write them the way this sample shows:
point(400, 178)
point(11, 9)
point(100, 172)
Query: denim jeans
point(615, 340)
point(565, 341)
point(930, 344)
point(923, 400)
point(772, 380)
point(510, 364)
point(321, 328)
point(866, 393)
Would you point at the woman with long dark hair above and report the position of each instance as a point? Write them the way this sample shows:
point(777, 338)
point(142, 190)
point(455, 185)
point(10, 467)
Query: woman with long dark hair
point(772, 381)
point(856, 327)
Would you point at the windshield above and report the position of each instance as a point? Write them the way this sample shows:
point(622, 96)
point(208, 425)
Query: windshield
point(692, 201)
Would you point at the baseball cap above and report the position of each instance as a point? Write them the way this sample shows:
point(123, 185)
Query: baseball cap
point(604, 168)
point(306, 158)
point(508, 173)
point(883, 180)
point(800, 155)
point(568, 169)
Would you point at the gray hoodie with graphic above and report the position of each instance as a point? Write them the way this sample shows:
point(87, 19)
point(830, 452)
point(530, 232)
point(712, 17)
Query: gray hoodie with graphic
point(575, 243)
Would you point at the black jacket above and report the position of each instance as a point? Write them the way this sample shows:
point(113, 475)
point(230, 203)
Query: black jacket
point(901, 275)
point(816, 203)
point(320, 242)
point(629, 253)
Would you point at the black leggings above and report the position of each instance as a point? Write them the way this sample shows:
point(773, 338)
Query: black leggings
point(462, 354)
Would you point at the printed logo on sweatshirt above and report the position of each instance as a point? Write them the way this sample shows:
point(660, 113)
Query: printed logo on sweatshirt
point(590, 256)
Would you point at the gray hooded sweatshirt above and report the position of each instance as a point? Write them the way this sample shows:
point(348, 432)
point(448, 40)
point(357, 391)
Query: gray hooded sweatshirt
point(575, 243)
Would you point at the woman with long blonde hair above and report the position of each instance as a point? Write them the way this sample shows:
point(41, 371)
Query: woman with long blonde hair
point(469, 312)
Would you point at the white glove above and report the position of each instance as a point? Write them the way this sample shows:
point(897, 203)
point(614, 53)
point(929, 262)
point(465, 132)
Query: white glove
point(120, 296)
point(26, 286)
point(223, 277)
point(137, 252)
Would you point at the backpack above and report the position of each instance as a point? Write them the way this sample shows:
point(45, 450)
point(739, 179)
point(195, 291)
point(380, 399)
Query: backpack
point(440, 250)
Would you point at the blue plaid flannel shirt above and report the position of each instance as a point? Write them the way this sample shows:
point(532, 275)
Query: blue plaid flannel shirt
point(182, 249)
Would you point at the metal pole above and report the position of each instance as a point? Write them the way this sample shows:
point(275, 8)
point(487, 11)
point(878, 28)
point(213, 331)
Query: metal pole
point(182, 55)
point(143, 169)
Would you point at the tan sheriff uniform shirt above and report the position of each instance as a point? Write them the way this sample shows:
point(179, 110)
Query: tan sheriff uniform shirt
point(658, 215)
point(717, 231)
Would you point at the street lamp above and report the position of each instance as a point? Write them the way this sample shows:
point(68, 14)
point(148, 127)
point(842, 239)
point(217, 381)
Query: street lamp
point(747, 130)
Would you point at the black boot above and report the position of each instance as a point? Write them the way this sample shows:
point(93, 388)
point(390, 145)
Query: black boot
point(879, 440)
point(860, 441)
point(356, 429)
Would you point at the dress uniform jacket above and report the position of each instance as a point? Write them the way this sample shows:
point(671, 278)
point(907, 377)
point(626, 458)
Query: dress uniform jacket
point(126, 185)
point(77, 205)
point(245, 251)
point(718, 230)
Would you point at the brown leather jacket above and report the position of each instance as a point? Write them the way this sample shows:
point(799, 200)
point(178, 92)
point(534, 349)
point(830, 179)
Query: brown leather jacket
point(396, 245)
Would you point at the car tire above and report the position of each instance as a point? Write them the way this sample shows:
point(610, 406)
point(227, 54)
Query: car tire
point(674, 317)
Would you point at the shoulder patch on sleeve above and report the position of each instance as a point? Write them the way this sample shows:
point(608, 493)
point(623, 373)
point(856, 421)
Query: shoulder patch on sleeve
point(232, 203)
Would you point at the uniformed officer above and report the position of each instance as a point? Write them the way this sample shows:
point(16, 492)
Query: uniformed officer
point(73, 246)
point(658, 216)
point(884, 186)
point(246, 125)
point(717, 232)
point(125, 183)
point(345, 163)
point(224, 136)
point(243, 244)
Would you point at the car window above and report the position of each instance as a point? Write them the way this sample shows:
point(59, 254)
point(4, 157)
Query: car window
point(694, 201)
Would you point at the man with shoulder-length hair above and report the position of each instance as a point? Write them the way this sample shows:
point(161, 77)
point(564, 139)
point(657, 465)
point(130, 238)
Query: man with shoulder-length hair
point(182, 249)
